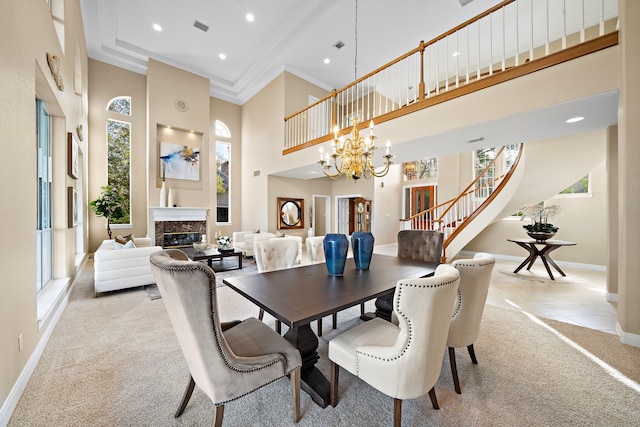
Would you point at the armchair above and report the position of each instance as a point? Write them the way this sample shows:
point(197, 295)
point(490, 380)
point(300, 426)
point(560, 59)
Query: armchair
point(402, 361)
point(227, 361)
point(475, 277)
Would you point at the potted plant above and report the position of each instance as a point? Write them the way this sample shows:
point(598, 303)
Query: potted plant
point(540, 229)
point(108, 205)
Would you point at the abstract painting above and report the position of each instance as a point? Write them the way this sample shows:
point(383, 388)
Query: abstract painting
point(179, 162)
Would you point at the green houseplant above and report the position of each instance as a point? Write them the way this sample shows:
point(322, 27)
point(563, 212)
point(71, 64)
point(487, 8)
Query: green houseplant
point(540, 228)
point(108, 205)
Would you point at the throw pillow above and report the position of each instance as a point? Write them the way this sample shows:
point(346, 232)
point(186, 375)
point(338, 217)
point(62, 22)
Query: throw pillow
point(117, 246)
point(124, 239)
point(279, 233)
point(256, 231)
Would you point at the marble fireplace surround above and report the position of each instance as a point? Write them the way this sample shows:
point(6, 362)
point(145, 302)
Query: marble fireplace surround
point(185, 224)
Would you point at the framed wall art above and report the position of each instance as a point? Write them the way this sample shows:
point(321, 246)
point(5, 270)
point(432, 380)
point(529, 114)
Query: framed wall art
point(72, 156)
point(179, 161)
point(72, 207)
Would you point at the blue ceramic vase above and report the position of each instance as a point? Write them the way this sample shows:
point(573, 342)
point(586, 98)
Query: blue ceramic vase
point(362, 245)
point(335, 253)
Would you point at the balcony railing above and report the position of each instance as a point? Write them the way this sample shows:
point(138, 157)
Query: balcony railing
point(514, 38)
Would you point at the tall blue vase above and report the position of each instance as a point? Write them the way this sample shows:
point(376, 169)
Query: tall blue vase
point(335, 253)
point(362, 245)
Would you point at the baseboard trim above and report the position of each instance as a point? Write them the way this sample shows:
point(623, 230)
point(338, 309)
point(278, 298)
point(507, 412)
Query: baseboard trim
point(627, 337)
point(578, 265)
point(611, 297)
point(49, 324)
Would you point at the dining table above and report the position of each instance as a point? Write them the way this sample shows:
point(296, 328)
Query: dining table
point(297, 296)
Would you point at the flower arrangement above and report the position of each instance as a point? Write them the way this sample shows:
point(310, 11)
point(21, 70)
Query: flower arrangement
point(540, 215)
point(224, 241)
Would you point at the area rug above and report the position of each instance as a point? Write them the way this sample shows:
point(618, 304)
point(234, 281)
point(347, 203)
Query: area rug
point(115, 361)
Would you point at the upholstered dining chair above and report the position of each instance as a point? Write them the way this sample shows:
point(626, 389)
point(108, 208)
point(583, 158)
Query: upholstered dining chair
point(315, 253)
point(420, 245)
point(274, 254)
point(402, 361)
point(226, 360)
point(475, 277)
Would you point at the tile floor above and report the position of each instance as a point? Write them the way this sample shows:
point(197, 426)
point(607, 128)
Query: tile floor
point(579, 298)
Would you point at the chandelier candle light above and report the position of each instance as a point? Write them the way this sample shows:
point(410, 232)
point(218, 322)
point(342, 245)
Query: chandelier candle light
point(352, 156)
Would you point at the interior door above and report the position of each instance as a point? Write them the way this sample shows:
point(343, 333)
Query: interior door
point(422, 198)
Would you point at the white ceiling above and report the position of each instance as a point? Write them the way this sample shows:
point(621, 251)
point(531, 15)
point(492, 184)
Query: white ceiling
point(297, 36)
point(290, 35)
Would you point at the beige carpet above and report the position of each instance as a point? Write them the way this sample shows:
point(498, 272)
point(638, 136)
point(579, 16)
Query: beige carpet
point(114, 361)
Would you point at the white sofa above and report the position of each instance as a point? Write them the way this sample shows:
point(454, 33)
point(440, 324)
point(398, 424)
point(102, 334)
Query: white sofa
point(123, 268)
point(242, 241)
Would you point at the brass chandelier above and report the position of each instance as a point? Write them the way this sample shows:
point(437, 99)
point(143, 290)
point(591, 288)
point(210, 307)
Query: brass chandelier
point(352, 156)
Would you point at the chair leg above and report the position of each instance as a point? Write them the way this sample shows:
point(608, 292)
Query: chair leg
point(454, 369)
point(217, 416)
point(261, 314)
point(185, 397)
point(295, 389)
point(334, 317)
point(397, 412)
point(335, 373)
point(432, 396)
point(319, 327)
point(472, 353)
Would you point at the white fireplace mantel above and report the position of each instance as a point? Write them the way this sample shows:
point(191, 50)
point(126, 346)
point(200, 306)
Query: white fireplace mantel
point(179, 214)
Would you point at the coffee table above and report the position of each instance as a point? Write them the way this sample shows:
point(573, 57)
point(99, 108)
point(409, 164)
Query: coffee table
point(212, 254)
point(297, 296)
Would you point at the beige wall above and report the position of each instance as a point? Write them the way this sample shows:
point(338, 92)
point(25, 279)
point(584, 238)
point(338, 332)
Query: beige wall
point(166, 85)
point(105, 83)
point(27, 35)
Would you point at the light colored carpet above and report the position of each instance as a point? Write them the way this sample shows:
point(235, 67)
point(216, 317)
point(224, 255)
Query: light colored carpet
point(114, 361)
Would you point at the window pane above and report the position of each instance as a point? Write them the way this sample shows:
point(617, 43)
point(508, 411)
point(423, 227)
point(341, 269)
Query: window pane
point(223, 175)
point(119, 164)
point(580, 187)
point(222, 130)
point(120, 105)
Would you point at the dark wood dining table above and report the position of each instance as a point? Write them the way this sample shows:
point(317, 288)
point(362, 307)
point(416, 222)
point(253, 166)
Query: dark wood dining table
point(298, 296)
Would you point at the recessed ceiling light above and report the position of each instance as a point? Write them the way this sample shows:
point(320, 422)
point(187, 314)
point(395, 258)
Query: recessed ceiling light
point(575, 119)
point(157, 27)
point(327, 60)
point(250, 17)
point(222, 56)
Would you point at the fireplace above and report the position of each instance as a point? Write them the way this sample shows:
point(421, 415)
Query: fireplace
point(178, 227)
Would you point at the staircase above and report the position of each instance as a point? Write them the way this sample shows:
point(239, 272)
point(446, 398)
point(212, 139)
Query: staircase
point(540, 171)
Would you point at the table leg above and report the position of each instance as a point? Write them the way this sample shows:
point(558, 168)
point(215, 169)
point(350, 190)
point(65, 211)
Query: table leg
point(533, 254)
point(545, 256)
point(312, 381)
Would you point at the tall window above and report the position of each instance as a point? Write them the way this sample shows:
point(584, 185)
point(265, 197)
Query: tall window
point(119, 153)
point(223, 174)
point(482, 158)
point(44, 253)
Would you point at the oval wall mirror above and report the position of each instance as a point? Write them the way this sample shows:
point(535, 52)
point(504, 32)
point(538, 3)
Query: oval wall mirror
point(290, 212)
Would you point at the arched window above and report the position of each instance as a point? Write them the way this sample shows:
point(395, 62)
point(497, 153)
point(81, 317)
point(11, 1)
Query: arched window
point(119, 152)
point(223, 174)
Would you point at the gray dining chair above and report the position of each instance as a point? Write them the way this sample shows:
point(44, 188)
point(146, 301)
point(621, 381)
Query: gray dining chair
point(402, 361)
point(475, 277)
point(226, 360)
point(420, 245)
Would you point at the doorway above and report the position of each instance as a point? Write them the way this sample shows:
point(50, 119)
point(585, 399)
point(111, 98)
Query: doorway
point(321, 214)
point(418, 199)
